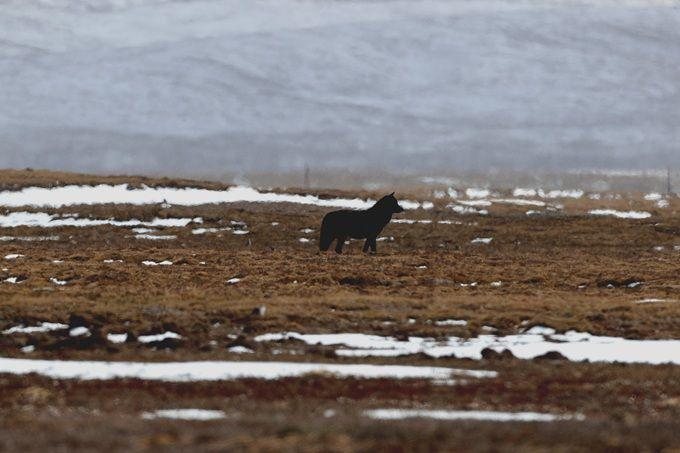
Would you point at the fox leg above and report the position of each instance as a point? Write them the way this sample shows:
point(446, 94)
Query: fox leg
point(373, 244)
point(366, 244)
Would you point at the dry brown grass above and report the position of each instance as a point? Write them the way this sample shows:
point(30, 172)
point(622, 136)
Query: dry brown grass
point(542, 262)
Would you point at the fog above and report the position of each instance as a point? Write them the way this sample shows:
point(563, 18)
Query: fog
point(398, 87)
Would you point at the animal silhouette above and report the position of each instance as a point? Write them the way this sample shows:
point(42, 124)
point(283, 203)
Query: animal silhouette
point(366, 224)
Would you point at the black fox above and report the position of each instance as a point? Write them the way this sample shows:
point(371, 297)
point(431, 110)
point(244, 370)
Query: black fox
point(358, 224)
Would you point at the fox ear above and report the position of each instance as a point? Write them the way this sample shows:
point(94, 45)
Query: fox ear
point(392, 194)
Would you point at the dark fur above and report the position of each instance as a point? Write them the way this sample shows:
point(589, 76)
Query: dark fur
point(365, 224)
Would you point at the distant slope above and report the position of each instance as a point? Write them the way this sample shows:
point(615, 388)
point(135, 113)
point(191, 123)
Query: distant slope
point(201, 86)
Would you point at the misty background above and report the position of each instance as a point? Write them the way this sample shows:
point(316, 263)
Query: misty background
point(224, 87)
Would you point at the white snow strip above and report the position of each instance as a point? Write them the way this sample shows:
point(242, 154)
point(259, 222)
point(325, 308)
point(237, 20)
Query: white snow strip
point(117, 337)
point(12, 280)
point(153, 263)
point(13, 256)
point(496, 284)
point(481, 241)
point(477, 193)
point(28, 238)
point(401, 414)
point(561, 193)
point(58, 282)
point(653, 301)
point(79, 332)
point(475, 202)
point(517, 201)
point(575, 346)
point(620, 214)
point(42, 327)
point(521, 192)
point(653, 196)
point(466, 209)
point(119, 194)
point(306, 230)
point(240, 350)
point(44, 220)
point(412, 221)
point(303, 240)
point(240, 231)
point(208, 230)
point(159, 337)
point(160, 237)
point(451, 322)
point(184, 414)
point(222, 370)
point(234, 280)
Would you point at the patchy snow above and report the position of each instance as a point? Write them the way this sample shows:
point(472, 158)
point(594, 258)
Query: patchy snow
point(475, 203)
point(159, 337)
point(496, 416)
point(223, 370)
point(477, 193)
point(143, 230)
point(12, 280)
point(575, 346)
point(13, 256)
point(466, 209)
point(29, 238)
point(185, 414)
point(240, 350)
point(117, 337)
point(496, 284)
point(653, 301)
point(303, 240)
point(576, 193)
point(521, 192)
point(110, 261)
point(79, 332)
point(154, 263)
point(58, 282)
point(57, 261)
point(481, 241)
point(28, 349)
point(662, 204)
point(240, 232)
point(307, 230)
point(40, 328)
point(518, 202)
point(412, 221)
point(653, 196)
point(620, 214)
point(234, 280)
point(159, 237)
point(44, 220)
point(208, 230)
point(121, 194)
point(451, 322)
point(275, 224)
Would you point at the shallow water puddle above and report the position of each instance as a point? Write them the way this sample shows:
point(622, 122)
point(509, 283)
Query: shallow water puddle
point(185, 414)
point(401, 414)
point(575, 346)
point(225, 370)
point(122, 194)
